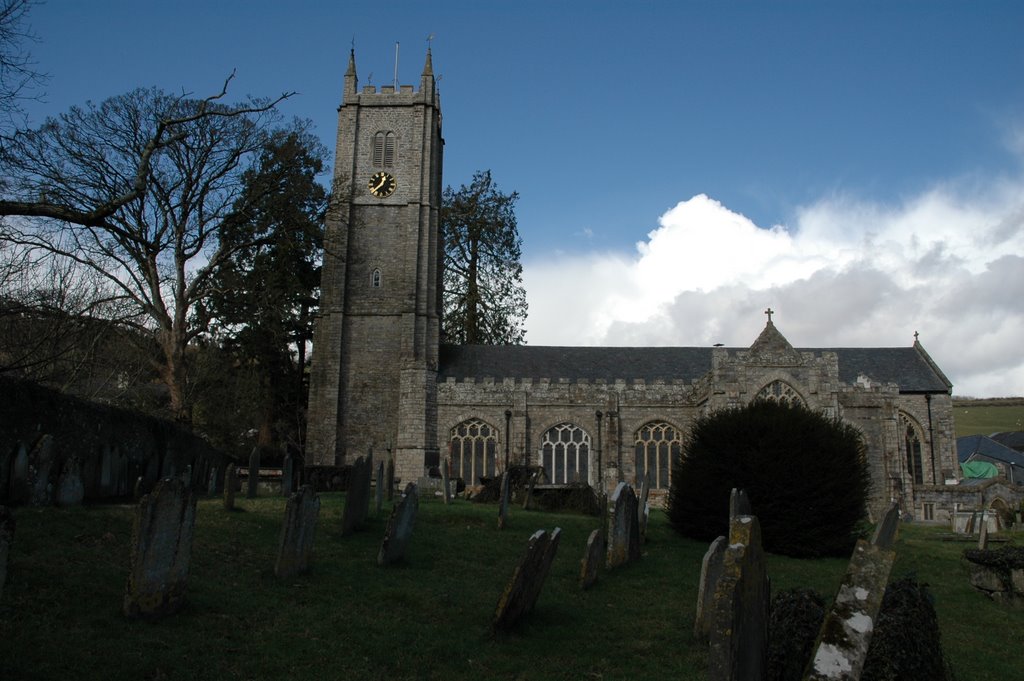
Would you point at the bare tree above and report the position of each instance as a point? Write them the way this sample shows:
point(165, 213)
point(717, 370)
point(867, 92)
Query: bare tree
point(136, 189)
point(18, 74)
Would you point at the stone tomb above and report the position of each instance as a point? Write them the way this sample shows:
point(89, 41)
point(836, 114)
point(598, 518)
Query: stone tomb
point(623, 527)
point(521, 593)
point(739, 608)
point(296, 542)
point(399, 530)
point(161, 549)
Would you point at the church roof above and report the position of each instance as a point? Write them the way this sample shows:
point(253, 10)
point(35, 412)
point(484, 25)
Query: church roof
point(904, 366)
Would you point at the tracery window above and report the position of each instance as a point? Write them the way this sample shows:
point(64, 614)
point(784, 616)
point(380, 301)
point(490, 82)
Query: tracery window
point(474, 446)
point(656, 445)
point(912, 447)
point(384, 149)
point(781, 392)
point(565, 454)
point(375, 279)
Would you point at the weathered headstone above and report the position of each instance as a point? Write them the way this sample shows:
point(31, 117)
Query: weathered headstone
point(287, 476)
point(70, 490)
point(137, 489)
point(20, 490)
point(295, 544)
point(739, 504)
point(357, 497)
point(399, 529)
point(446, 488)
point(523, 589)
point(211, 486)
point(738, 625)
point(593, 558)
point(6, 539)
point(254, 473)
point(845, 635)
point(389, 479)
point(40, 463)
point(529, 492)
point(161, 550)
point(710, 573)
point(379, 491)
point(983, 534)
point(623, 527)
point(644, 507)
point(230, 485)
point(503, 502)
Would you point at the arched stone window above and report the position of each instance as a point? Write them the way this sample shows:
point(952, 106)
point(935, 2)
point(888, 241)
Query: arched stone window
point(384, 149)
point(912, 449)
point(781, 392)
point(565, 454)
point(375, 279)
point(474, 446)
point(655, 446)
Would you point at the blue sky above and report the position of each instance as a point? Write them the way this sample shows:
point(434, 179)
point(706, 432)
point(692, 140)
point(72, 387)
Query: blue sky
point(681, 165)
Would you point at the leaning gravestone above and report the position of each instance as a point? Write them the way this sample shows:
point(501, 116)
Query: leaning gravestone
point(593, 557)
point(254, 473)
point(295, 544)
point(6, 539)
point(399, 530)
point(503, 502)
point(287, 476)
point(357, 498)
point(521, 593)
point(70, 490)
point(710, 573)
point(529, 492)
point(845, 635)
point(40, 463)
point(623, 527)
point(739, 608)
point(161, 549)
point(230, 483)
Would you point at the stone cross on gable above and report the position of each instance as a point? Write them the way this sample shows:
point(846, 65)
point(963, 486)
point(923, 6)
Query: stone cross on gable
point(915, 336)
point(769, 312)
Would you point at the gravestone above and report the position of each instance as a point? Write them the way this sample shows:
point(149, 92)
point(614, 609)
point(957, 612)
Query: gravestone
point(983, 536)
point(70, 490)
point(623, 527)
point(357, 497)
point(254, 473)
point(230, 483)
point(644, 507)
point(399, 529)
point(186, 476)
point(739, 609)
point(6, 463)
point(503, 502)
point(593, 557)
point(710, 573)
point(380, 487)
point(161, 549)
point(389, 479)
point(295, 544)
point(446, 489)
point(739, 503)
point(6, 539)
point(40, 464)
point(211, 486)
point(20, 490)
point(287, 476)
point(107, 485)
point(529, 492)
point(137, 489)
point(523, 589)
point(845, 635)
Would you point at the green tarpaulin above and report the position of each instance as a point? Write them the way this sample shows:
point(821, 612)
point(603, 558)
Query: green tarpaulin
point(979, 469)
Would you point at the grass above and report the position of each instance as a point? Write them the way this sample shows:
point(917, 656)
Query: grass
point(987, 419)
point(426, 619)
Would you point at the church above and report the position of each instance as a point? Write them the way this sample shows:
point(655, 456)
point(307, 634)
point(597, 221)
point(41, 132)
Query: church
point(381, 380)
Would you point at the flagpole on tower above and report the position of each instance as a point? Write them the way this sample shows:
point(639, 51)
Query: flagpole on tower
point(396, 66)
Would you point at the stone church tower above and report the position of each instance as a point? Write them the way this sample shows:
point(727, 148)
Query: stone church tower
point(376, 340)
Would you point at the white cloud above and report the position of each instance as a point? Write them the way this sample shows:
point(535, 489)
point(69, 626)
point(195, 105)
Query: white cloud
point(948, 263)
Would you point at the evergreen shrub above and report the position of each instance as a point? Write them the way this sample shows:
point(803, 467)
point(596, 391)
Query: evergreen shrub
point(793, 629)
point(905, 645)
point(805, 475)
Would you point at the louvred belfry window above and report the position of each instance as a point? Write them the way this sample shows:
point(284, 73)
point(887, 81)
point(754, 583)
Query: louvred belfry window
point(384, 149)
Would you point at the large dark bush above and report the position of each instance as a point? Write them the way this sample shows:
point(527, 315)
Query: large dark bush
point(805, 475)
point(793, 628)
point(906, 645)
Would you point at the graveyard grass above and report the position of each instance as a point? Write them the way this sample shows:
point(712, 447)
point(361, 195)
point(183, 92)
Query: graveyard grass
point(428, 618)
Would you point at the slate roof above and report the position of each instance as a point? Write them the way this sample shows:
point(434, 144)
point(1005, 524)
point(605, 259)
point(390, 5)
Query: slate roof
point(982, 445)
point(1013, 439)
point(907, 367)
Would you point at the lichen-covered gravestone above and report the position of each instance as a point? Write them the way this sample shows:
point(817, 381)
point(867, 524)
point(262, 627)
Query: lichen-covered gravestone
point(623, 527)
point(593, 557)
point(6, 539)
point(521, 593)
point(295, 545)
point(230, 483)
point(161, 550)
point(399, 530)
point(710, 573)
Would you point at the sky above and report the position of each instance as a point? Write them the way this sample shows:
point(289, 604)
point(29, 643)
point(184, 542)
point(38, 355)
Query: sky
point(681, 166)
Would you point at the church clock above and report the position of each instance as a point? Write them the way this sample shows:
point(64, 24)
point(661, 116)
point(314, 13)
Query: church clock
point(382, 185)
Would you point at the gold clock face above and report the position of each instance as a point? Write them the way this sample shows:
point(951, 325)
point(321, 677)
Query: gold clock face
point(382, 185)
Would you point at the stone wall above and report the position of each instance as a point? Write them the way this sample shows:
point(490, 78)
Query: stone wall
point(114, 446)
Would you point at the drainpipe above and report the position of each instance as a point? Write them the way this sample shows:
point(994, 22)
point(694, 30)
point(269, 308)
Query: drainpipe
point(600, 469)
